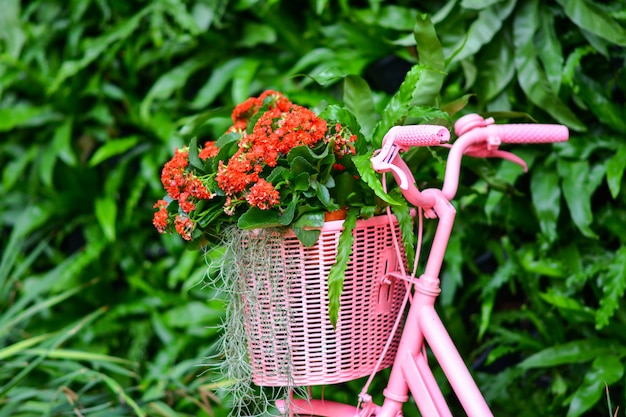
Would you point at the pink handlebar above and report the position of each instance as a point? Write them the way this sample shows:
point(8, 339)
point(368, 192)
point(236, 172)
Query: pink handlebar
point(529, 133)
point(417, 135)
point(477, 137)
point(511, 133)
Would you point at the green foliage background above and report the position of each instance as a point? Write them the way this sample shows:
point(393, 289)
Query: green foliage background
point(101, 316)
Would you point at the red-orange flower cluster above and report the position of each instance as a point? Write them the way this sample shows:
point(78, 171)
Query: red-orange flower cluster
point(184, 187)
point(268, 127)
point(281, 127)
point(263, 195)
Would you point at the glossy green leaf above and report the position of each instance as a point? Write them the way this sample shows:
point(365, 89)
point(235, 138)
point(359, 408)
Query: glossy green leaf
point(457, 105)
point(255, 34)
point(615, 170)
point(496, 71)
point(367, 173)
point(431, 58)
point(573, 62)
point(320, 5)
point(256, 218)
point(222, 74)
point(593, 18)
point(96, 47)
point(452, 276)
point(546, 197)
point(243, 78)
point(21, 115)
point(575, 351)
point(106, 213)
point(549, 48)
point(530, 76)
point(429, 50)
point(568, 304)
point(388, 16)
point(507, 173)
point(112, 148)
point(485, 27)
point(605, 370)
point(502, 275)
point(607, 111)
point(396, 109)
point(11, 31)
point(357, 97)
point(579, 182)
point(478, 4)
point(169, 83)
point(179, 13)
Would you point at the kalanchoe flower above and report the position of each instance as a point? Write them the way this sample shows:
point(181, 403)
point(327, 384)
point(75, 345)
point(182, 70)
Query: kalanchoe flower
point(173, 173)
point(263, 195)
point(161, 217)
point(265, 130)
point(184, 226)
point(210, 150)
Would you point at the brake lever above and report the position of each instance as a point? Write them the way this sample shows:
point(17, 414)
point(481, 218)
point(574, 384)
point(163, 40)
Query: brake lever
point(491, 151)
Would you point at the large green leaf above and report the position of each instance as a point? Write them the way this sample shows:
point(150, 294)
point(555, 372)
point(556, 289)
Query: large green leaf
point(530, 76)
point(96, 47)
point(496, 71)
point(367, 173)
point(169, 83)
point(357, 97)
point(113, 147)
point(580, 181)
point(593, 18)
point(546, 196)
point(605, 370)
point(396, 110)
point(220, 76)
point(575, 351)
point(607, 111)
point(11, 31)
point(549, 48)
point(485, 27)
point(22, 115)
point(615, 170)
point(431, 58)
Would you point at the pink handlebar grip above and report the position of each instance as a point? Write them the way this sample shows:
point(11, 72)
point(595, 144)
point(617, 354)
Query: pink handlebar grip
point(418, 135)
point(531, 133)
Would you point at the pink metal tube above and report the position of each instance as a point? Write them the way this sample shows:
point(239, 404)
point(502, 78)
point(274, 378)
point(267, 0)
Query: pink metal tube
point(453, 165)
point(446, 213)
point(452, 364)
point(473, 129)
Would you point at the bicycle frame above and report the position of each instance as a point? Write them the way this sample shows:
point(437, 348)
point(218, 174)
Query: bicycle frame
point(410, 373)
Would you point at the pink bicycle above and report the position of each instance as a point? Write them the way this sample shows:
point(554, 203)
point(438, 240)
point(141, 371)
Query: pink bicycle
point(410, 372)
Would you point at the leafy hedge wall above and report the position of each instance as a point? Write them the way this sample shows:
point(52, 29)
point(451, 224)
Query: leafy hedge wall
point(101, 316)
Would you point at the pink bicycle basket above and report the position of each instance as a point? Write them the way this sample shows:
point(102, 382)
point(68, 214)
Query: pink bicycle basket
point(290, 339)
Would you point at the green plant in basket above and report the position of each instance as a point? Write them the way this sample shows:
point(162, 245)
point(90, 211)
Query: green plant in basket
point(279, 164)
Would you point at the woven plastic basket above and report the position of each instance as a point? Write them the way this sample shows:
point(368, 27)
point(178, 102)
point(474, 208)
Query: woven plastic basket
point(290, 339)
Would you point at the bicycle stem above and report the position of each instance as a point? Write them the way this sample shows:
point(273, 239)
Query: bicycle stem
point(389, 160)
